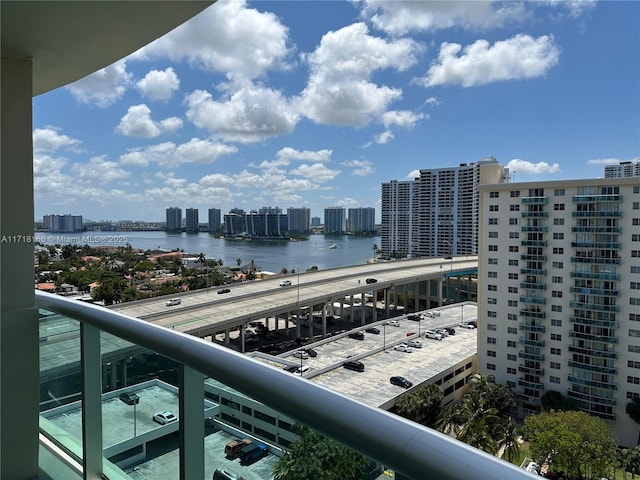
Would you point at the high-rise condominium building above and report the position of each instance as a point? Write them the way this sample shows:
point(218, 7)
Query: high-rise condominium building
point(315, 221)
point(623, 169)
point(299, 220)
point(192, 225)
point(437, 213)
point(62, 223)
point(559, 295)
point(335, 221)
point(174, 219)
point(361, 220)
point(214, 220)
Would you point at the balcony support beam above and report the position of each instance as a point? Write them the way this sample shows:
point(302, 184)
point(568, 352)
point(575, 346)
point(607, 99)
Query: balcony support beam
point(191, 395)
point(91, 401)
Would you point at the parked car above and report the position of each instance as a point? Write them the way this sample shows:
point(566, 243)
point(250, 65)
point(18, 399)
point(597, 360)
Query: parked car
point(415, 343)
point(410, 333)
point(413, 316)
point(311, 352)
point(401, 382)
point(285, 283)
point(448, 257)
point(164, 417)
point(290, 368)
point(371, 280)
point(129, 398)
point(442, 331)
point(373, 330)
point(450, 330)
point(302, 370)
point(467, 325)
point(224, 290)
point(226, 474)
point(301, 354)
point(232, 448)
point(393, 323)
point(251, 453)
point(432, 334)
point(403, 347)
point(354, 365)
point(173, 301)
point(357, 335)
point(474, 323)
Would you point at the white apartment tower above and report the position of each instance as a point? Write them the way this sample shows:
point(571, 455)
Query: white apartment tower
point(623, 169)
point(437, 213)
point(173, 219)
point(361, 220)
point(335, 221)
point(299, 220)
point(559, 293)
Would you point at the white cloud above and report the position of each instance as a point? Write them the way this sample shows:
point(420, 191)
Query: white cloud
point(159, 84)
point(402, 17)
point(529, 168)
point(98, 171)
point(348, 202)
point(413, 174)
point(384, 138)
point(104, 87)
point(288, 153)
point(519, 57)
point(361, 168)
point(316, 172)
point(49, 140)
point(168, 154)
point(137, 122)
point(401, 118)
point(227, 37)
point(250, 114)
point(432, 101)
point(339, 90)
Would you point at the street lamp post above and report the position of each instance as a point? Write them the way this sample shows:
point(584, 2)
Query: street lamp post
point(384, 336)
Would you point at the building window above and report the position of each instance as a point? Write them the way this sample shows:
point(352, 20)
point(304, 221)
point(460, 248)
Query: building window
point(558, 236)
point(636, 189)
point(492, 301)
point(558, 221)
point(513, 289)
point(513, 221)
point(634, 348)
point(493, 221)
point(491, 366)
point(555, 351)
point(555, 365)
point(555, 322)
point(516, 193)
point(558, 192)
point(634, 380)
point(554, 379)
point(491, 353)
point(493, 208)
point(556, 293)
point(512, 316)
point(514, 234)
point(512, 303)
point(492, 288)
point(494, 194)
point(635, 237)
point(491, 340)
point(635, 269)
point(635, 221)
point(513, 262)
point(557, 264)
point(556, 279)
point(636, 205)
point(511, 344)
point(512, 330)
point(511, 371)
point(493, 234)
point(635, 253)
point(491, 326)
point(492, 274)
point(514, 208)
point(556, 337)
point(556, 308)
point(492, 261)
point(634, 301)
point(558, 206)
point(634, 285)
point(633, 364)
point(493, 248)
point(514, 248)
point(491, 314)
point(558, 251)
point(513, 276)
point(633, 332)
point(511, 357)
point(634, 317)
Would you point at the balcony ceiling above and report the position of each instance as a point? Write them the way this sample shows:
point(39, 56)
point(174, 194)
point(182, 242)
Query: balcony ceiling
point(68, 40)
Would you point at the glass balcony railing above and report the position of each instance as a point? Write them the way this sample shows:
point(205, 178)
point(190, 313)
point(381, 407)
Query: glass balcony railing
point(533, 385)
point(535, 214)
point(596, 275)
point(596, 260)
point(593, 337)
point(597, 198)
point(599, 307)
point(609, 292)
point(533, 271)
point(596, 229)
point(92, 356)
point(595, 214)
point(592, 383)
point(534, 299)
point(581, 319)
point(598, 245)
point(532, 328)
point(537, 228)
point(530, 370)
point(535, 200)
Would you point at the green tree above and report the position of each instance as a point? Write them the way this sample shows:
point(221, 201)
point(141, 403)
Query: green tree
point(110, 290)
point(509, 435)
point(574, 442)
point(317, 457)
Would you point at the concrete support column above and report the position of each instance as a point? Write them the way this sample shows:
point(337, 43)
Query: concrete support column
point(227, 339)
point(324, 321)
point(469, 287)
point(114, 376)
point(416, 296)
point(124, 372)
point(298, 325)
point(19, 358)
point(191, 432)
point(363, 310)
point(242, 337)
point(440, 281)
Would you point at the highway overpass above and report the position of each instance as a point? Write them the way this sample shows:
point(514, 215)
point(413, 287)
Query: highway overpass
point(205, 313)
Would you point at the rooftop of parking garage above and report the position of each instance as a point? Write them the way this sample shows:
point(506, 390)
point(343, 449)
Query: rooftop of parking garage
point(381, 361)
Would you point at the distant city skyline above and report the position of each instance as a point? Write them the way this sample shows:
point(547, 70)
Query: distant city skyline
point(313, 104)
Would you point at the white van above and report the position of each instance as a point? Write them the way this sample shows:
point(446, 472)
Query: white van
point(173, 301)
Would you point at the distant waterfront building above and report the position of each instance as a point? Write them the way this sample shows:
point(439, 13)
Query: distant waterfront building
point(335, 221)
point(214, 220)
point(437, 213)
point(261, 224)
point(361, 220)
point(315, 221)
point(192, 225)
point(270, 210)
point(299, 220)
point(174, 219)
point(623, 169)
point(559, 295)
point(62, 223)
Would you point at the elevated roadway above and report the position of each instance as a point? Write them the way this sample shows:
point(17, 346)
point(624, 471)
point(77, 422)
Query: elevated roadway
point(204, 312)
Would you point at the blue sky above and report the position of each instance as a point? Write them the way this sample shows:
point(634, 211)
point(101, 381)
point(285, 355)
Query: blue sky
point(315, 104)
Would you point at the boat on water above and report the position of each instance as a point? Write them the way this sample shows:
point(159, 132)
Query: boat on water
point(333, 246)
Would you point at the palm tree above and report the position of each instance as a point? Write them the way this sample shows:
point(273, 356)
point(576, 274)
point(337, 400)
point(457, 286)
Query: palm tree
point(239, 261)
point(408, 406)
point(509, 436)
point(450, 420)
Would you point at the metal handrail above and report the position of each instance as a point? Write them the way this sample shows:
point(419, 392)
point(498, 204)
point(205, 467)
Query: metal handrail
point(410, 449)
